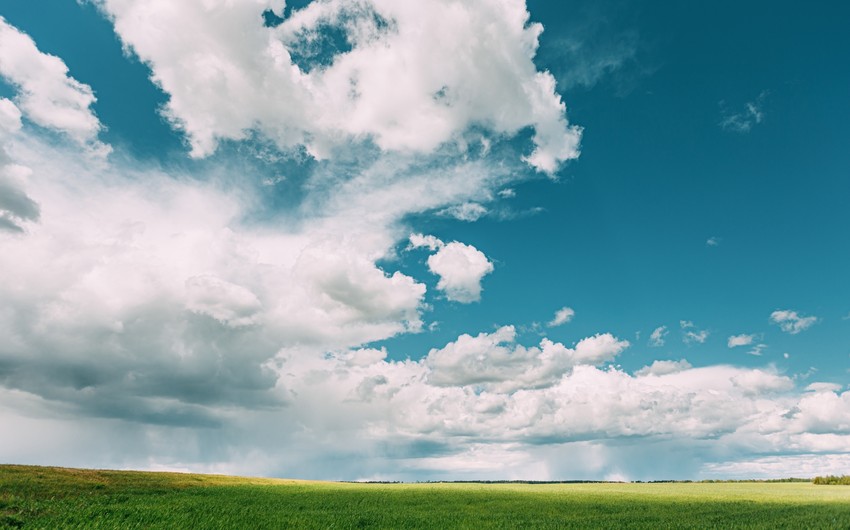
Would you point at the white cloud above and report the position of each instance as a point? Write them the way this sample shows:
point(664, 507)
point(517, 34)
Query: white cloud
point(713, 241)
point(757, 350)
point(226, 302)
point(792, 322)
point(45, 93)
point(744, 120)
point(154, 312)
point(599, 348)
point(695, 336)
point(430, 242)
point(460, 268)
point(467, 211)
point(149, 287)
point(10, 117)
point(664, 368)
point(740, 340)
point(17, 208)
point(690, 334)
point(495, 363)
point(416, 77)
point(562, 316)
point(656, 338)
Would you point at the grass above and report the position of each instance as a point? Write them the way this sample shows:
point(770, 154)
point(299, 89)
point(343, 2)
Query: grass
point(40, 497)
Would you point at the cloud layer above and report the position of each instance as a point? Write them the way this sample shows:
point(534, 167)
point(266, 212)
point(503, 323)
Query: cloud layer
point(407, 77)
point(172, 319)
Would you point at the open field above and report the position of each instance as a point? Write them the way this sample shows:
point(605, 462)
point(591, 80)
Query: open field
point(39, 497)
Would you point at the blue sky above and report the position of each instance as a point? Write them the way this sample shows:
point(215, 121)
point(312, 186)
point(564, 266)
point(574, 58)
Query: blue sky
point(335, 245)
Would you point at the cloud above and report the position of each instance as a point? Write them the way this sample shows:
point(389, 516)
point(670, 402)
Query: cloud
point(154, 302)
point(744, 120)
point(409, 77)
point(430, 242)
point(757, 349)
point(16, 207)
point(740, 340)
point(228, 303)
point(656, 338)
point(713, 241)
point(695, 336)
point(663, 368)
point(173, 319)
point(593, 47)
point(460, 268)
point(46, 95)
point(791, 322)
point(691, 335)
point(468, 211)
point(562, 316)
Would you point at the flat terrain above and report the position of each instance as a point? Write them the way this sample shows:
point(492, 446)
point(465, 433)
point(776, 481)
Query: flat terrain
point(41, 497)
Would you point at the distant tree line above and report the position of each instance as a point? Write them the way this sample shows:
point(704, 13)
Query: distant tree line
point(843, 480)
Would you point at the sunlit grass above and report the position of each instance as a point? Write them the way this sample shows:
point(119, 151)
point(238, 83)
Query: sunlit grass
point(36, 497)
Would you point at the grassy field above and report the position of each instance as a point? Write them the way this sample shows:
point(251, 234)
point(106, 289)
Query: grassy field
point(39, 497)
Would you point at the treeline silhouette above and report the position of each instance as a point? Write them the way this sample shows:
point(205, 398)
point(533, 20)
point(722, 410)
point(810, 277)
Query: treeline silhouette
point(832, 480)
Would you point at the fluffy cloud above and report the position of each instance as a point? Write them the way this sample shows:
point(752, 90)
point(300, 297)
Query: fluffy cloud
point(740, 340)
point(432, 243)
point(460, 268)
point(161, 320)
point(562, 316)
point(409, 77)
point(46, 94)
point(144, 296)
point(656, 338)
point(16, 207)
point(494, 362)
point(664, 368)
point(792, 322)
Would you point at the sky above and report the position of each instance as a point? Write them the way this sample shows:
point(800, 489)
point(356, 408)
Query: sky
point(432, 240)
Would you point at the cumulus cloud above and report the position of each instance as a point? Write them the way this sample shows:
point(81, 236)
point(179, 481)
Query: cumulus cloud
point(460, 268)
point(663, 368)
point(791, 321)
point(562, 316)
point(409, 77)
point(230, 304)
point(153, 300)
point(493, 361)
point(46, 94)
point(164, 320)
point(16, 207)
point(430, 242)
point(740, 340)
point(656, 338)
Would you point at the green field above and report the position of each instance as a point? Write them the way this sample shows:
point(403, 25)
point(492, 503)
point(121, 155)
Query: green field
point(40, 497)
